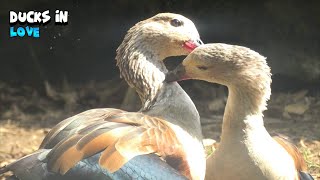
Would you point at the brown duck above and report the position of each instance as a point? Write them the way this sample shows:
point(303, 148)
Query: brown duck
point(114, 144)
point(246, 151)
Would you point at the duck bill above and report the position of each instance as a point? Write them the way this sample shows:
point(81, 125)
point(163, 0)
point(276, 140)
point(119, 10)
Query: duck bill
point(192, 44)
point(178, 74)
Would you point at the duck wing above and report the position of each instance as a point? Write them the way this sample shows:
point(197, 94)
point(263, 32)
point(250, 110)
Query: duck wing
point(71, 125)
point(119, 138)
point(297, 157)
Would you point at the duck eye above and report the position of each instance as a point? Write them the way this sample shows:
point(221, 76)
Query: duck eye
point(176, 22)
point(202, 67)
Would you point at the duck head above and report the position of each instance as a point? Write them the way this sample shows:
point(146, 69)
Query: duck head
point(229, 65)
point(174, 34)
point(147, 44)
point(167, 34)
point(239, 68)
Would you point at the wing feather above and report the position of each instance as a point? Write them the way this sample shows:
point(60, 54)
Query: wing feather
point(120, 137)
point(293, 151)
point(70, 126)
point(67, 154)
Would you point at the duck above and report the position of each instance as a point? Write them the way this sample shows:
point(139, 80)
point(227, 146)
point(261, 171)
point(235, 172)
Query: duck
point(153, 143)
point(246, 150)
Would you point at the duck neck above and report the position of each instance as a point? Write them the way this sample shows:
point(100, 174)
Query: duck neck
point(243, 111)
point(142, 68)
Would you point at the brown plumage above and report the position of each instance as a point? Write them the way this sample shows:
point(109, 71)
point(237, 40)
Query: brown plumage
point(123, 135)
point(81, 120)
point(167, 124)
point(294, 152)
point(120, 136)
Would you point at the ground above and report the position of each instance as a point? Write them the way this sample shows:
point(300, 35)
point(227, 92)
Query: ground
point(27, 115)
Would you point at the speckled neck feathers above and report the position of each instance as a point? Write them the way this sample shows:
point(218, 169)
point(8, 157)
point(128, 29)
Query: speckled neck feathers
point(140, 65)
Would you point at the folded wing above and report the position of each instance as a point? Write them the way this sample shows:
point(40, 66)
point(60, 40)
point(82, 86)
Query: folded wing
point(120, 137)
point(297, 157)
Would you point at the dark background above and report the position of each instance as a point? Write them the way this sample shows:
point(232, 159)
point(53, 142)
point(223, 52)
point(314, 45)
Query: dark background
point(286, 32)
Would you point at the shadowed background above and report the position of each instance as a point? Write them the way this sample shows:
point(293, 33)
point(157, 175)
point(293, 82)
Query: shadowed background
point(284, 31)
point(71, 68)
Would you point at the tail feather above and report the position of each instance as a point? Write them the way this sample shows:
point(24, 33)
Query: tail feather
point(305, 176)
point(28, 167)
